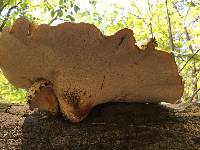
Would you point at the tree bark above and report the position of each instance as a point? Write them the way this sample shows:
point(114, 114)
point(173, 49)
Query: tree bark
point(194, 72)
point(171, 41)
point(194, 69)
point(109, 126)
point(150, 20)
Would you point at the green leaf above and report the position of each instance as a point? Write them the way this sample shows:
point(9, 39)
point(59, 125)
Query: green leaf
point(48, 7)
point(52, 13)
point(71, 4)
point(197, 57)
point(60, 13)
point(191, 4)
point(15, 13)
point(70, 17)
point(76, 8)
point(60, 2)
point(12, 2)
point(93, 2)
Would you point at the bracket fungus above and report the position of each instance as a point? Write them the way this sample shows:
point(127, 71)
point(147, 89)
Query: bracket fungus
point(73, 67)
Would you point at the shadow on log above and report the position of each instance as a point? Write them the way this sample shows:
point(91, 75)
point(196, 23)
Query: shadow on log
point(109, 126)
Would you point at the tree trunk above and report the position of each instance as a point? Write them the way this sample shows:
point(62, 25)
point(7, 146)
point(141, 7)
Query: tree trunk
point(194, 83)
point(109, 126)
point(171, 42)
point(150, 20)
point(194, 72)
point(194, 69)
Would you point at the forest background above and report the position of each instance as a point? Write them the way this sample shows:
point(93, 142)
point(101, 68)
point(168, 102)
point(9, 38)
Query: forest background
point(174, 23)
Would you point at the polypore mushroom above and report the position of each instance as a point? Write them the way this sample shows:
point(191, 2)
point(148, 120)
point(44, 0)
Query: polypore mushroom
point(84, 68)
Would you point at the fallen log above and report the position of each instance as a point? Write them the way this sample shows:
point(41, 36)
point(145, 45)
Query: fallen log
point(74, 67)
point(108, 126)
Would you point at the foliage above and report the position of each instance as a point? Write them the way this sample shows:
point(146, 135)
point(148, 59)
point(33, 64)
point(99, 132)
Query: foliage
point(42, 11)
point(9, 93)
point(113, 15)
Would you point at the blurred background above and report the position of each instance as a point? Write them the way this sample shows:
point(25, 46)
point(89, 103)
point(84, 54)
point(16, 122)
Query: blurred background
point(174, 23)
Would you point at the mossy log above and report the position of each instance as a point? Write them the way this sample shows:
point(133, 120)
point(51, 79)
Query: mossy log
point(109, 126)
